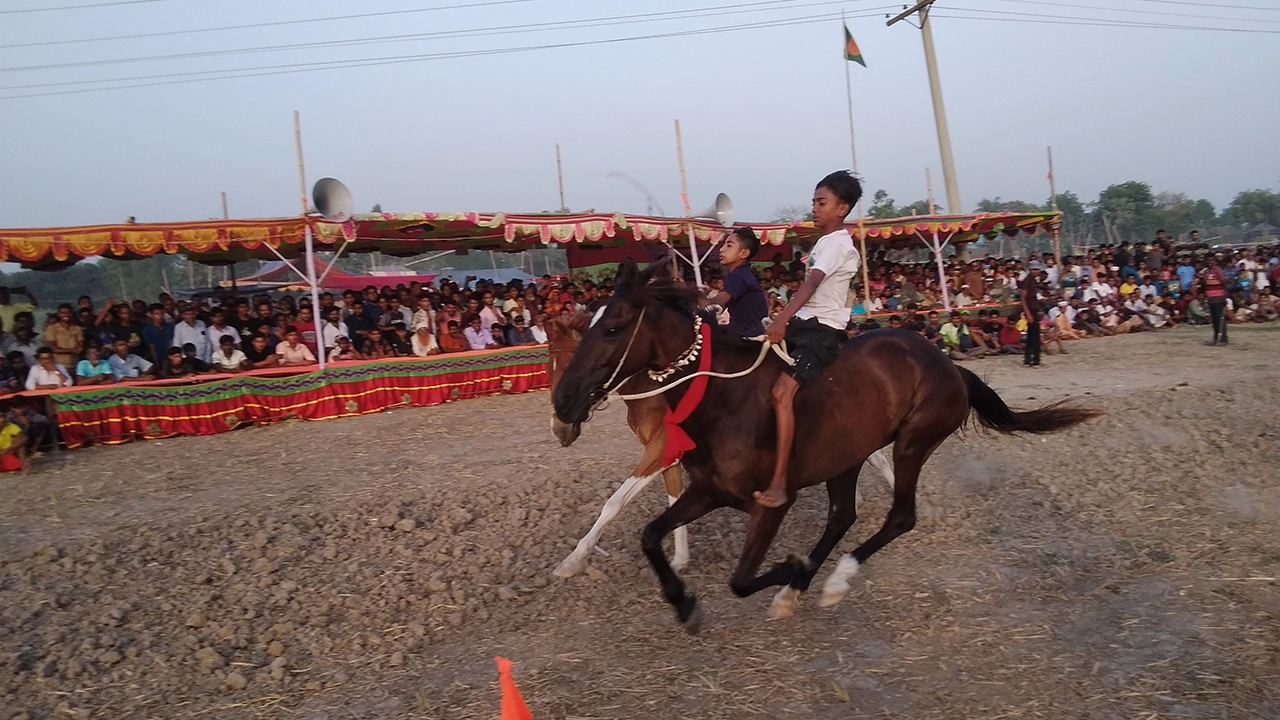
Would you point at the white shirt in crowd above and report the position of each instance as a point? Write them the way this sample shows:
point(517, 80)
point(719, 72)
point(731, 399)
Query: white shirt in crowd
point(331, 333)
point(215, 335)
point(221, 360)
point(39, 376)
point(194, 334)
point(420, 348)
point(839, 261)
point(538, 333)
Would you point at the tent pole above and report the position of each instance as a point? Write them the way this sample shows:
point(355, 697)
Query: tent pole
point(316, 320)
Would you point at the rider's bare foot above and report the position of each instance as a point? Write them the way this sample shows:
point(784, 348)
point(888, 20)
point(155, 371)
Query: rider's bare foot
point(771, 498)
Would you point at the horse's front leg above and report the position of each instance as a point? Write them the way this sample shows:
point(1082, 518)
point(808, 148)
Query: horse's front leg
point(675, 485)
point(692, 504)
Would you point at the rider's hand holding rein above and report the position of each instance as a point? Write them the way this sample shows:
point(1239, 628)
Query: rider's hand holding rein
point(777, 330)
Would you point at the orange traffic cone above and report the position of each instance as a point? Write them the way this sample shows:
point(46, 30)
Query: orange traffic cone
point(513, 707)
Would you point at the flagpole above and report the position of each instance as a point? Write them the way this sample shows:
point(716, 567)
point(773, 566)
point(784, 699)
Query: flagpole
point(853, 154)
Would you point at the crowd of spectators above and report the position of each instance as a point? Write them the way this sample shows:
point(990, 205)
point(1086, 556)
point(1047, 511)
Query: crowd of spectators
point(1108, 290)
point(136, 341)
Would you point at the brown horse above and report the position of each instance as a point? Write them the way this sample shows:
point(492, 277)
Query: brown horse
point(888, 386)
point(645, 419)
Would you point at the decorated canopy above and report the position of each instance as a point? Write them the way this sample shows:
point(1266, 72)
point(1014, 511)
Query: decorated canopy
point(225, 241)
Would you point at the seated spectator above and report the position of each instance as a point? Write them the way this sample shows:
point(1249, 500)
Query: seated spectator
point(17, 368)
point(46, 374)
point(94, 369)
point(191, 359)
point(376, 347)
point(498, 335)
point(358, 326)
point(228, 358)
point(344, 350)
point(453, 340)
point(477, 337)
point(174, 367)
point(13, 448)
point(292, 352)
point(539, 334)
point(398, 340)
point(423, 343)
point(518, 334)
point(959, 344)
point(1010, 336)
point(261, 353)
point(125, 365)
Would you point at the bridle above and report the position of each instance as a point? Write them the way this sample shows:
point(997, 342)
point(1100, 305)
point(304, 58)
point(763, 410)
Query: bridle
point(687, 357)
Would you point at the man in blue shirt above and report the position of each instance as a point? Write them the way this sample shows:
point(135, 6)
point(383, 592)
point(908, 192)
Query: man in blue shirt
point(742, 297)
point(127, 366)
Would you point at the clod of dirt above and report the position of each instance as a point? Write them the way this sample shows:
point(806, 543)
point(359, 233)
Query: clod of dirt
point(236, 681)
point(209, 659)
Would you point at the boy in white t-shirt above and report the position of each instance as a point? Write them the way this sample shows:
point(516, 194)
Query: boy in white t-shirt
point(813, 322)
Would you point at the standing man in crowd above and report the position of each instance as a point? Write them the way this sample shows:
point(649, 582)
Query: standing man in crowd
point(1215, 294)
point(1030, 288)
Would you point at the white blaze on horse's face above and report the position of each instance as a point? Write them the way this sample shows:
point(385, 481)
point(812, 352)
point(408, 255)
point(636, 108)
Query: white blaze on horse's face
point(596, 318)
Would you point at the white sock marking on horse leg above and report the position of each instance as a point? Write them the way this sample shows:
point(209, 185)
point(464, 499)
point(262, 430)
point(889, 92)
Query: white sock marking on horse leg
point(837, 585)
point(682, 542)
point(784, 603)
point(880, 462)
point(623, 495)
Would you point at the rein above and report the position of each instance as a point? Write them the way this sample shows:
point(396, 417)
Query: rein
point(689, 355)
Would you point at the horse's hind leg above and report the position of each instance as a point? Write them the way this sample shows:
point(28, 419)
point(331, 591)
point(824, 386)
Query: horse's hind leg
point(692, 504)
point(909, 454)
point(761, 529)
point(841, 514)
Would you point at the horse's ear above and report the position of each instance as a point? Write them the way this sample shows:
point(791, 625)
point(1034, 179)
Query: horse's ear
point(626, 276)
point(659, 268)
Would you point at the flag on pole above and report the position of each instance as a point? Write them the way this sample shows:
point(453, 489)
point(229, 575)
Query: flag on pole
point(851, 51)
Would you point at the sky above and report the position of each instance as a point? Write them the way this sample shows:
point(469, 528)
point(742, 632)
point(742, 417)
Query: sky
point(762, 108)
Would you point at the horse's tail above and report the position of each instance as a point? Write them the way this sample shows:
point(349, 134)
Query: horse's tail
point(993, 413)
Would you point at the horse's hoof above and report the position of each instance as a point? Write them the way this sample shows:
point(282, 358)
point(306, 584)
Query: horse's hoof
point(567, 567)
point(693, 625)
point(784, 603)
point(837, 585)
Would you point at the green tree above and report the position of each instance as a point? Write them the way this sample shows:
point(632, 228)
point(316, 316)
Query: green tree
point(1252, 207)
point(1178, 214)
point(882, 206)
point(1128, 210)
point(792, 213)
point(995, 205)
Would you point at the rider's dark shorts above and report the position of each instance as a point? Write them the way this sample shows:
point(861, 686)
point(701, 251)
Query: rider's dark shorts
point(813, 346)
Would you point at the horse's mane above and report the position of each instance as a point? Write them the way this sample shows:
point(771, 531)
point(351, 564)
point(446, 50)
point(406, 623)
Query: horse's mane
point(662, 291)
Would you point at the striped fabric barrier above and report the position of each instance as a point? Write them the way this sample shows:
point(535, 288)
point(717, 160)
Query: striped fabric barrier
point(120, 413)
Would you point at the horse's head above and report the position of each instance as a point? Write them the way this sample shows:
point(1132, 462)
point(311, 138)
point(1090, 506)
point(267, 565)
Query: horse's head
point(638, 327)
point(563, 334)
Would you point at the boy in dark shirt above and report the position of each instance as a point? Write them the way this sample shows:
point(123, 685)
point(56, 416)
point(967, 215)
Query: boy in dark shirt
point(742, 296)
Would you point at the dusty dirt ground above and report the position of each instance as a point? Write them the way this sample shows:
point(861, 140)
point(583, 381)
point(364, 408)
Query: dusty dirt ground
point(1123, 569)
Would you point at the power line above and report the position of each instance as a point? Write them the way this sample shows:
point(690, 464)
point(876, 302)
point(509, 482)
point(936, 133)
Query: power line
point(1141, 12)
point(77, 7)
point(251, 26)
point(715, 11)
point(1212, 5)
point(294, 68)
point(1092, 22)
